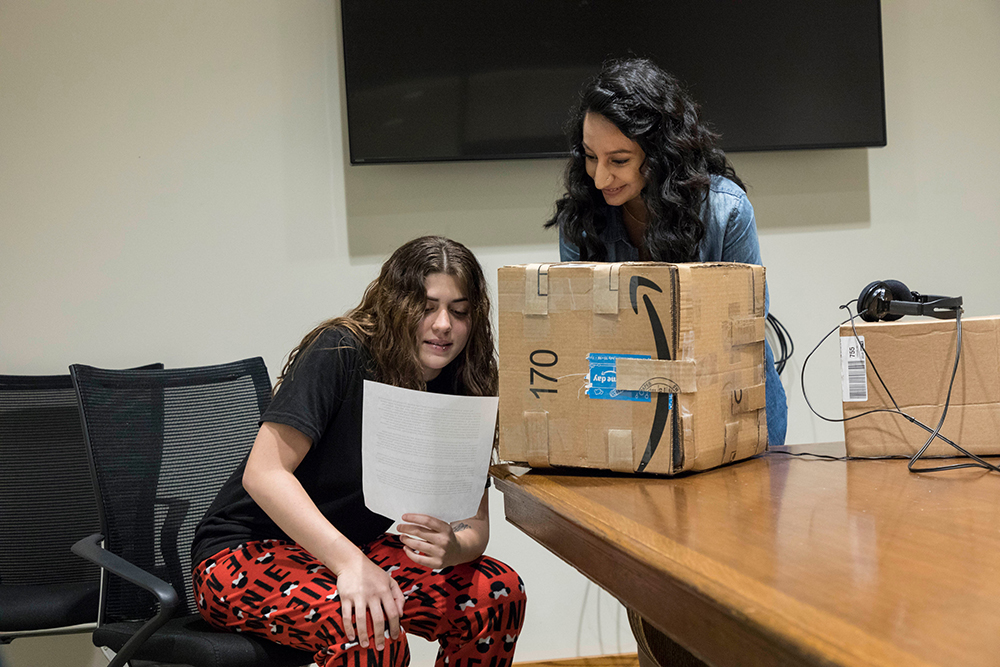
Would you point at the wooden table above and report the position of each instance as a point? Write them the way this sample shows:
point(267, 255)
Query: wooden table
point(781, 560)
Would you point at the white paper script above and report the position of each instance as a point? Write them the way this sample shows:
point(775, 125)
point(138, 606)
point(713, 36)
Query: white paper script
point(425, 453)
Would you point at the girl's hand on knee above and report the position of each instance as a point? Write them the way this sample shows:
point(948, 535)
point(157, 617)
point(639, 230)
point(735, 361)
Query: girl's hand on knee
point(430, 542)
point(365, 589)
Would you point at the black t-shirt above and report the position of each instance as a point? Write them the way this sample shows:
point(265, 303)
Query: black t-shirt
point(321, 396)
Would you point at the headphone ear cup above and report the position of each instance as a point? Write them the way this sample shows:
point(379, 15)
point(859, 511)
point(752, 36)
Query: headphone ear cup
point(866, 301)
point(900, 292)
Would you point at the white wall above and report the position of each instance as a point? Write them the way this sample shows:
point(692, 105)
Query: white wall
point(174, 187)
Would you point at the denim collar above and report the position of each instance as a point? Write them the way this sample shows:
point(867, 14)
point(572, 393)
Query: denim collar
point(620, 249)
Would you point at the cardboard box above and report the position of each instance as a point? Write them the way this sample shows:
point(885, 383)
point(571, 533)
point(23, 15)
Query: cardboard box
point(915, 357)
point(632, 367)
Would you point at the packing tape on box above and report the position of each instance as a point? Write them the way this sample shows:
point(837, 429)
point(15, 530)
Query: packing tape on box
point(620, 454)
point(678, 376)
point(732, 443)
point(606, 289)
point(759, 292)
point(536, 427)
point(747, 330)
point(745, 434)
point(536, 289)
point(749, 399)
point(687, 428)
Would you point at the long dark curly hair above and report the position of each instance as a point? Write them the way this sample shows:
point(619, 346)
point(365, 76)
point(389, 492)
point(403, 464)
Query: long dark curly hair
point(387, 319)
point(650, 107)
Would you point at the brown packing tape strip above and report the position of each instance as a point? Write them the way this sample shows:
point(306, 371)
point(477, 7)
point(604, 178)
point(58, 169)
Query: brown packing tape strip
point(749, 399)
point(620, 453)
point(677, 376)
point(536, 427)
point(686, 296)
point(753, 432)
point(759, 288)
point(536, 289)
point(606, 289)
point(687, 443)
point(746, 330)
point(732, 442)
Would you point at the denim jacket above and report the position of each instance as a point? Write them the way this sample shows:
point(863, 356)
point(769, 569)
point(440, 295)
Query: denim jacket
point(730, 236)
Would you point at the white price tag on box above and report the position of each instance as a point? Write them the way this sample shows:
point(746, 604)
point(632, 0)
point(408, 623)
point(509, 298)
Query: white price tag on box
point(853, 369)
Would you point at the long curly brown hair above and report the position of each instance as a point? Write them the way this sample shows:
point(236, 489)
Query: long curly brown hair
point(387, 319)
point(651, 107)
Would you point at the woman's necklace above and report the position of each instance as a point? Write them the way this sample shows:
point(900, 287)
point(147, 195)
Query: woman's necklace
point(632, 219)
point(635, 229)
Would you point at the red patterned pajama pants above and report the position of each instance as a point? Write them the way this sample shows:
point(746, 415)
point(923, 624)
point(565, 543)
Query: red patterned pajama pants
point(280, 591)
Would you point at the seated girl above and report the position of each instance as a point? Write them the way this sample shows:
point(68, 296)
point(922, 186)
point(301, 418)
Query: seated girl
point(289, 551)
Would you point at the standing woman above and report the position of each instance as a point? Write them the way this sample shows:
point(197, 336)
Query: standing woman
point(288, 549)
point(647, 181)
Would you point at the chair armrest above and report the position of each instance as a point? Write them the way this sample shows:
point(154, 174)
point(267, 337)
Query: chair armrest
point(90, 548)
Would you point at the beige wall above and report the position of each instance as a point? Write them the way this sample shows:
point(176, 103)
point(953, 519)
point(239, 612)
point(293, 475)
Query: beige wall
point(174, 187)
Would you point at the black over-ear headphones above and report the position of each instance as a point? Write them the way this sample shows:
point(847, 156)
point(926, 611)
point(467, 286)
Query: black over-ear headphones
point(889, 300)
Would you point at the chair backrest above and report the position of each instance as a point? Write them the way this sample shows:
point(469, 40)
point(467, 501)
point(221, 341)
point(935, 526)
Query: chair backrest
point(162, 443)
point(46, 493)
point(47, 502)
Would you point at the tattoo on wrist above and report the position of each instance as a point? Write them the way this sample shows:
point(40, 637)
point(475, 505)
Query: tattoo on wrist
point(460, 526)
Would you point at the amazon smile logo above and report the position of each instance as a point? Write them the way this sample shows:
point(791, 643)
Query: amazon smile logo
point(663, 401)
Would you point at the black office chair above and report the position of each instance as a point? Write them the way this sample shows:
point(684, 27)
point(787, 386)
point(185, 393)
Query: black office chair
point(162, 443)
point(47, 503)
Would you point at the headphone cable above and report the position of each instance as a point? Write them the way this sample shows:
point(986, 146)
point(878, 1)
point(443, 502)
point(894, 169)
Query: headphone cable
point(785, 344)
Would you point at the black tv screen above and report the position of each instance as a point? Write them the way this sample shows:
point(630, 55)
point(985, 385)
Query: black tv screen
point(431, 80)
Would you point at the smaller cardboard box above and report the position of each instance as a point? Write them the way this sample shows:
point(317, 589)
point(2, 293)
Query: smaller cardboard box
point(632, 367)
point(915, 358)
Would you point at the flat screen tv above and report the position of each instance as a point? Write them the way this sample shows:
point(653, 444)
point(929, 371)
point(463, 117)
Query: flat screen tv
point(431, 80)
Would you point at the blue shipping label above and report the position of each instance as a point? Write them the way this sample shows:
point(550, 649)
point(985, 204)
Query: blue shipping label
point(601, 380)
